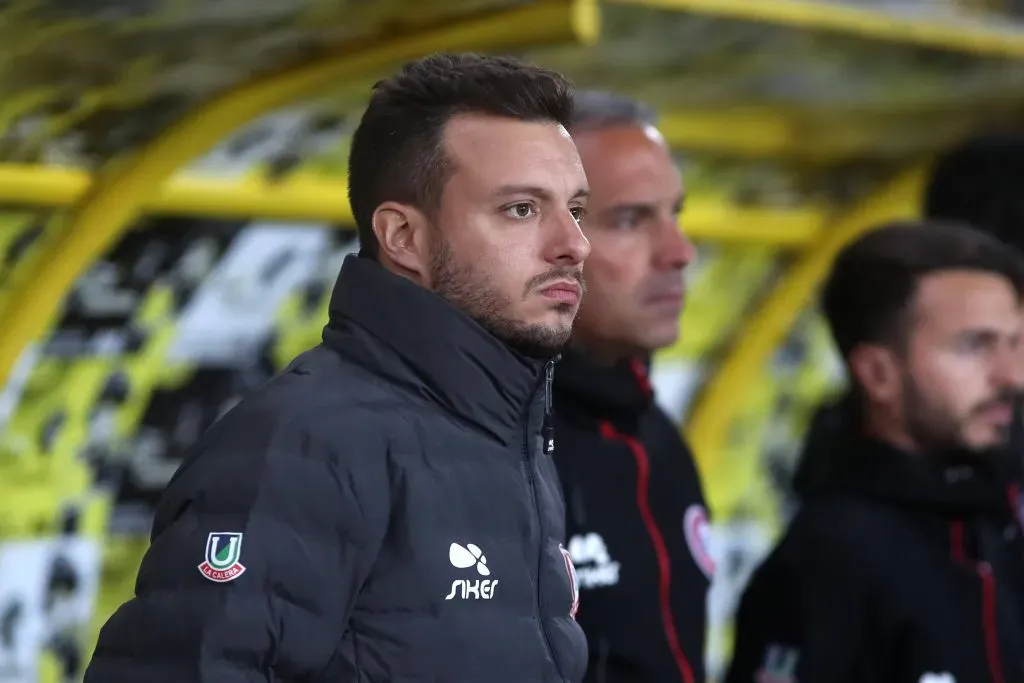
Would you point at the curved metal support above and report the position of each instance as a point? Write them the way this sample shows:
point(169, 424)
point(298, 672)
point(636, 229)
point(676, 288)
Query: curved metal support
point(707, 428)
point(953, 33)
point(302, 198)
point(119, 193)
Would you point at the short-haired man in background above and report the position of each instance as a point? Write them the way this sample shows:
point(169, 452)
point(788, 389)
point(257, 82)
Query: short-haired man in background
point(636, 516)
point(976, 182)
point(904, 563)
point(383, 511)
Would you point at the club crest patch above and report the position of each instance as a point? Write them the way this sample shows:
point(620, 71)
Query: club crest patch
point(570, 569)
point(697, 532)
point(223, 551)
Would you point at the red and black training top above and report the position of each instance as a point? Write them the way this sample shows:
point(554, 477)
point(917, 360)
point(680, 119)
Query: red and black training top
point(636, 525)
point(897, 567)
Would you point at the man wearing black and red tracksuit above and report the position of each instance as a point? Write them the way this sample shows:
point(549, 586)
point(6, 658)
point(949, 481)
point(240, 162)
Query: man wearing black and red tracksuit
point(905, 560)
point(636, 519)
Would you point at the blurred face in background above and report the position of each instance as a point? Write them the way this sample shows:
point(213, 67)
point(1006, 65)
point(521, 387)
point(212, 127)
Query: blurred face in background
point(635, 287)
point(954, 383)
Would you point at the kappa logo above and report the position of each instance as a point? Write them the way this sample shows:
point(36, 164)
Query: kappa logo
point(465, 589)
point(698, 535)
point(595, 567)
point(931, 677)
point(223, 550)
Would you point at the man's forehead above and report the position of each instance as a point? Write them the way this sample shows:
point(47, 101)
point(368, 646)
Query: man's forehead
point(627, 165)
point(967, 299)
point(499, 152)
point(467, 135)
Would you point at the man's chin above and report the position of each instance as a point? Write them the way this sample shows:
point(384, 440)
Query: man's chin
point(531, 340)
point(654, 339)
point(988, 444)
point(542, 346)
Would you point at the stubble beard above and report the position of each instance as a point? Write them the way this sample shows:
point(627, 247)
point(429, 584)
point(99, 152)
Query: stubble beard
point(474, 294)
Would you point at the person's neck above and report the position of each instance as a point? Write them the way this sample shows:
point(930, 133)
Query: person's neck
point(602, 353)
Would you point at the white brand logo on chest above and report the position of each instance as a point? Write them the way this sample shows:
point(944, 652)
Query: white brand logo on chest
point(595, 567)
point(464, 557)
point(931, 677)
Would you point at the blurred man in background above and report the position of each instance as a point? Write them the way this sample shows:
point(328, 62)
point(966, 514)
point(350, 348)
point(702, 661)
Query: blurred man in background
point(905, 561)
point(636, 516)
point(976, 182)
point(382, 510)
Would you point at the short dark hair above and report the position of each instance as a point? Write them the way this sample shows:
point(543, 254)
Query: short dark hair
point(605, 109)
point(397, 152)
point(869, 293)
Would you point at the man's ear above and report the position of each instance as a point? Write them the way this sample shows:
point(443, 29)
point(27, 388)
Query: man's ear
point(878, 371)
point(403, 235)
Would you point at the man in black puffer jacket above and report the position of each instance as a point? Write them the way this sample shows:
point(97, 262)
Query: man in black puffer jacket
point(904, 563)
point(386, 510)
point(637, 523)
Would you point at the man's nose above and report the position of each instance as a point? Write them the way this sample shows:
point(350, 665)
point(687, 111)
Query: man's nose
point(1009, 371)
point(568, 245)
point(1014, 375)
point(674, 250)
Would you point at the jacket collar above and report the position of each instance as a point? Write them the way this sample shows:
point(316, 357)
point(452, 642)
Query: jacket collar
point(618, 393)
point(414, 338)
point(839, 459)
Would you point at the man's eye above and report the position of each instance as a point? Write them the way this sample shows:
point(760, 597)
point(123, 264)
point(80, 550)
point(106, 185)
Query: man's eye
point(627, 221)
point(578, 213)
point(520, 211)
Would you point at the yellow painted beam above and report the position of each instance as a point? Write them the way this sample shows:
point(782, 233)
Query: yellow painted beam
point(708, 219)
point(298, 198)
point(955, 34)
point(775, 133)
point(303, 198)
point(766, 327)
point(118, 195)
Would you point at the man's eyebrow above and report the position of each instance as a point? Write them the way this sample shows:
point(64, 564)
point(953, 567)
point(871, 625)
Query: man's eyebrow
point(644, 208)
point(535, 191)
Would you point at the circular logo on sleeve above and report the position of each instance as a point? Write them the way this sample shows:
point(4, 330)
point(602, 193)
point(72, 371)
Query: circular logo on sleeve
point(697, 532)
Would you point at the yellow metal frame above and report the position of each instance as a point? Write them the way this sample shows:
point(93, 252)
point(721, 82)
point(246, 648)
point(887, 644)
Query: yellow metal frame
point(767, 327)
point(304, 198)
point(299, 197)
point(118, 195)
point(795, 136)
point(954, 34)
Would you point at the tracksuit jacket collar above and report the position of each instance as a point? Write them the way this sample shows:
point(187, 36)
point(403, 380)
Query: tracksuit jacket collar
point(427, 345)
point(956, 483)
point(618, 393)
point(838, 459)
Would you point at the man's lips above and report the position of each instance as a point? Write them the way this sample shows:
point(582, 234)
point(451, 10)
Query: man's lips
point(563, 291)
point(668, 298)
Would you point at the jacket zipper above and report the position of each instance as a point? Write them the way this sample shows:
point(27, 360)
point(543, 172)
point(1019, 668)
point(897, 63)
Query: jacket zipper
point(989, 622)
point(528, 463)
point(643, 471)
point(988, 614)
